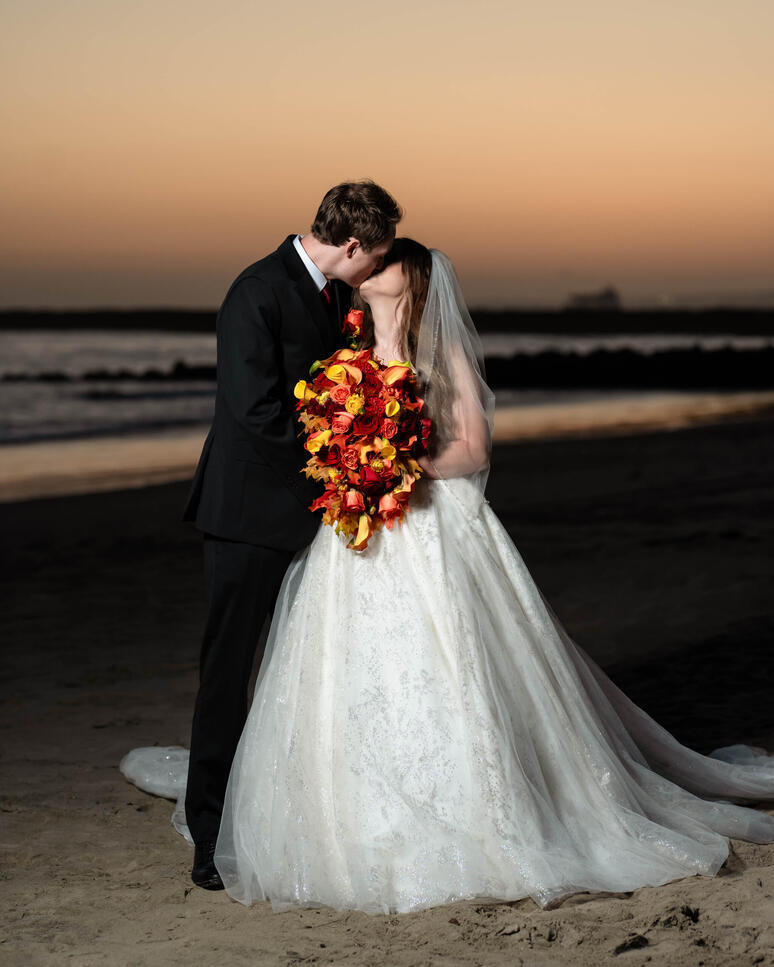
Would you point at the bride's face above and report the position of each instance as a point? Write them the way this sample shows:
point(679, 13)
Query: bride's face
point(388, 283)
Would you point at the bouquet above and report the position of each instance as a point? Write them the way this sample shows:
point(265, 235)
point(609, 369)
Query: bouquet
point(364, 430)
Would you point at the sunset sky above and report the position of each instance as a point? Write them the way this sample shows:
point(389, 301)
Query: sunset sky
point(153, 148)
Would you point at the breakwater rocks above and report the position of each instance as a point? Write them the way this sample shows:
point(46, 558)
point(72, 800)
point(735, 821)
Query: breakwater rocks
point(690, 368)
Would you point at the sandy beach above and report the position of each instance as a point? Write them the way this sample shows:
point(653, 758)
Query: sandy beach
point(654, 548)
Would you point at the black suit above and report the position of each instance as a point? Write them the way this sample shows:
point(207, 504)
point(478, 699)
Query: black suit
point(249, 497)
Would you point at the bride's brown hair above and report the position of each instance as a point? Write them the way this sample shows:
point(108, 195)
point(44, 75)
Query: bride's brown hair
point(416, 262)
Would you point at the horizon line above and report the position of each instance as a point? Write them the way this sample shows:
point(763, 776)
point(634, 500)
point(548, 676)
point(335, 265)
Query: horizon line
point(524, 307)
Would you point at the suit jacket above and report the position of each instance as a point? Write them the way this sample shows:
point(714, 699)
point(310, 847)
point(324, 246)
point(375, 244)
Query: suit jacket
point(272, 325)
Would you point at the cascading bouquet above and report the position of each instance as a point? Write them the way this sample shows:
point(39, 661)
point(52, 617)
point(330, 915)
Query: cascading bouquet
point(364, 432)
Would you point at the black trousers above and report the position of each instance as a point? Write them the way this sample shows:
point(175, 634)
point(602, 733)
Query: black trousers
point(242, 581)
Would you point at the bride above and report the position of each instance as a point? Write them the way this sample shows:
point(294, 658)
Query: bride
point(423, 729)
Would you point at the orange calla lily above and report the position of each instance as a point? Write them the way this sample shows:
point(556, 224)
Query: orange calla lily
point(396, 372)
point(363, 532)
point(354, 373)
point(365, 449)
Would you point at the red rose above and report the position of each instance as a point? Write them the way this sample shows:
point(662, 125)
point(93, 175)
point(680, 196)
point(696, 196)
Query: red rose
point(370, 481)
point(330, 456)
point(353, 322)
point(389, 428)
point(366, 424)
point(350, 457)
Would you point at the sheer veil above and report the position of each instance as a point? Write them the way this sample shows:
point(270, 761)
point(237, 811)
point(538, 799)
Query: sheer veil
point(450, 367)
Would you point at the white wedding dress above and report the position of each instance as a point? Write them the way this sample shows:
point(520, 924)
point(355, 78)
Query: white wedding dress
point(424, 731)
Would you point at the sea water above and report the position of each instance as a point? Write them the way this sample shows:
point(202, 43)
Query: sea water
point(69, 384)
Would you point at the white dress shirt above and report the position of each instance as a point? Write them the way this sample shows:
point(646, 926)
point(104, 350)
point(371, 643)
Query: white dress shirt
point(317, 277)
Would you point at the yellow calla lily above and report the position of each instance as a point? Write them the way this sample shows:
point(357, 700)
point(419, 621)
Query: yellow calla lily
point(318, 440)
point(336, 373)
point(388, 451)
point(392, 408)
point(303, 391)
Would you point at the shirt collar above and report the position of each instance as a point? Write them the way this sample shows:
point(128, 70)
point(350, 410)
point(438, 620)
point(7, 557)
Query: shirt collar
point(317, 276)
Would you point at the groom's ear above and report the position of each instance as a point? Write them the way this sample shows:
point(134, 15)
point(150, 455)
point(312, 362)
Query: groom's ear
point(351, 246)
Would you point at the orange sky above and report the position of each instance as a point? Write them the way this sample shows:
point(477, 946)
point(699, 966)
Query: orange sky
point(152, 149)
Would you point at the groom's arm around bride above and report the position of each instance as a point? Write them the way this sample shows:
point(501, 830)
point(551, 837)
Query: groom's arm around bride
point(248, 496)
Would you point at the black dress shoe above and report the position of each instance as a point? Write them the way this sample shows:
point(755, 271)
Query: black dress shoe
point(204, 873)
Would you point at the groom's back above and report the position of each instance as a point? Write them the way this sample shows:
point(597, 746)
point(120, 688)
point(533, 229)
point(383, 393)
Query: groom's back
point(270, 327)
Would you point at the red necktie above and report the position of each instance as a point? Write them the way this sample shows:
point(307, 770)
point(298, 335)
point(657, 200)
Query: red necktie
point(325, 292)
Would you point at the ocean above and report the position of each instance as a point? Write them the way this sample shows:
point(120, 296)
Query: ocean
point(78, 383)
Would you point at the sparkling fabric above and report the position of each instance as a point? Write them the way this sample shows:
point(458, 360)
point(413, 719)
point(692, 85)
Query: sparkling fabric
point(424, 731)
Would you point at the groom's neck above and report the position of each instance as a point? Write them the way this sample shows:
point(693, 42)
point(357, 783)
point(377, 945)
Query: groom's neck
point(324, 256)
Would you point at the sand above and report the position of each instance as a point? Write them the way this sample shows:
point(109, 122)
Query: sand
point(55, 468)
point(654, 549)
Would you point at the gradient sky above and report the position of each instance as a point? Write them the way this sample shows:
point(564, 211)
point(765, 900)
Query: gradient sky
point(152, 149)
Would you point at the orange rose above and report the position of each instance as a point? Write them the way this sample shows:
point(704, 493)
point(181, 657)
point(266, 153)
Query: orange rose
point(341, 421)
point(353, 501)
point(389, 509)
point(339, 394)
point(350, 457)
point(389, 428)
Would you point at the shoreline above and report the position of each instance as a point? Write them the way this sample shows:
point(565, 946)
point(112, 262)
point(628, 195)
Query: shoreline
point(71, 467)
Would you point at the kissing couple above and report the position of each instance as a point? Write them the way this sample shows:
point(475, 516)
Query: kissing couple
point(422, 730)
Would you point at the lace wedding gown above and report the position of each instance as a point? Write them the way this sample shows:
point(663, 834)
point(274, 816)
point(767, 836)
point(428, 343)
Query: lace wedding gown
point(424, 731)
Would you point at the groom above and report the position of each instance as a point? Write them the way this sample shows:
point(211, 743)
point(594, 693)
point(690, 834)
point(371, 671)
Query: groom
point(248, 495)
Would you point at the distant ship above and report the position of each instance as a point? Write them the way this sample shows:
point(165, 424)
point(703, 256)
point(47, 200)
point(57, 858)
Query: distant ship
point(606, 300)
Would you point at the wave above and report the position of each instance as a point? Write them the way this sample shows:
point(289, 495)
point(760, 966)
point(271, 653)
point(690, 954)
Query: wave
point(107, 430)
point(180, 371)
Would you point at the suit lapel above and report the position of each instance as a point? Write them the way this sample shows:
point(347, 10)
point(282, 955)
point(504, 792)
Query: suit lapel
point(306, 288)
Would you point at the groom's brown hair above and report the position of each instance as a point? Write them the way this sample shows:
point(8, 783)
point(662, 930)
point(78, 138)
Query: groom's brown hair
point(357, 209)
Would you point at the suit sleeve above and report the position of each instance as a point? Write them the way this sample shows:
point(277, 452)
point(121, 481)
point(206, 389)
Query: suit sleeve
point(251, 384)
